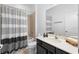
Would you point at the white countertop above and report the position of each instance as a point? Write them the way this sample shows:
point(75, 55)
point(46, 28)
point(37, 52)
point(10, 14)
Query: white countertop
point(60, 44)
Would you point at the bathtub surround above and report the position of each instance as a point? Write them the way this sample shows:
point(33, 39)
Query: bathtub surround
point(13, 28)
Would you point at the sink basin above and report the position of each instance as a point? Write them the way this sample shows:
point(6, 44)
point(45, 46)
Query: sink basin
point(52, 39)
point(55, 38)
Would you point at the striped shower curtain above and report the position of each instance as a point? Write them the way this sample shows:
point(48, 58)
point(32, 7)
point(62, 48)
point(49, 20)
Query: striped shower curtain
point(13, 33)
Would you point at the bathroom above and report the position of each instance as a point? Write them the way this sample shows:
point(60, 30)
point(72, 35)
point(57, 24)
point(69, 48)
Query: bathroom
point(46, 28)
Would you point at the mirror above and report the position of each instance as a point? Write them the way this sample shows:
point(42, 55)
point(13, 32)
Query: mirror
point(63, 20)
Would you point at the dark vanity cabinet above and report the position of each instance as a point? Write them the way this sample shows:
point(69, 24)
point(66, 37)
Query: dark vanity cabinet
point(59, 51)
point(40, 48)
point(45, 48)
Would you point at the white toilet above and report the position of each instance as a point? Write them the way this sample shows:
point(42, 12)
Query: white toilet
point(31, 46)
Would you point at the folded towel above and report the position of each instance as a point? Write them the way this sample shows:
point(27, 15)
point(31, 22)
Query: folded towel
point(72, 41)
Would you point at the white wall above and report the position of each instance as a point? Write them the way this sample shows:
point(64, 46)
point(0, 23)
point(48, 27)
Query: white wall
point(41, 17)
point(69, 15)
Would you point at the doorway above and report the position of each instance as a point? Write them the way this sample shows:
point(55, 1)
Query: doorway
point(31, 25)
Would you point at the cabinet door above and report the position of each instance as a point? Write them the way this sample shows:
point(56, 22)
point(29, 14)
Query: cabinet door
point(40, 50)
point(50, 49)
point(39, 42)
point(50, 52)
point(58, 51)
